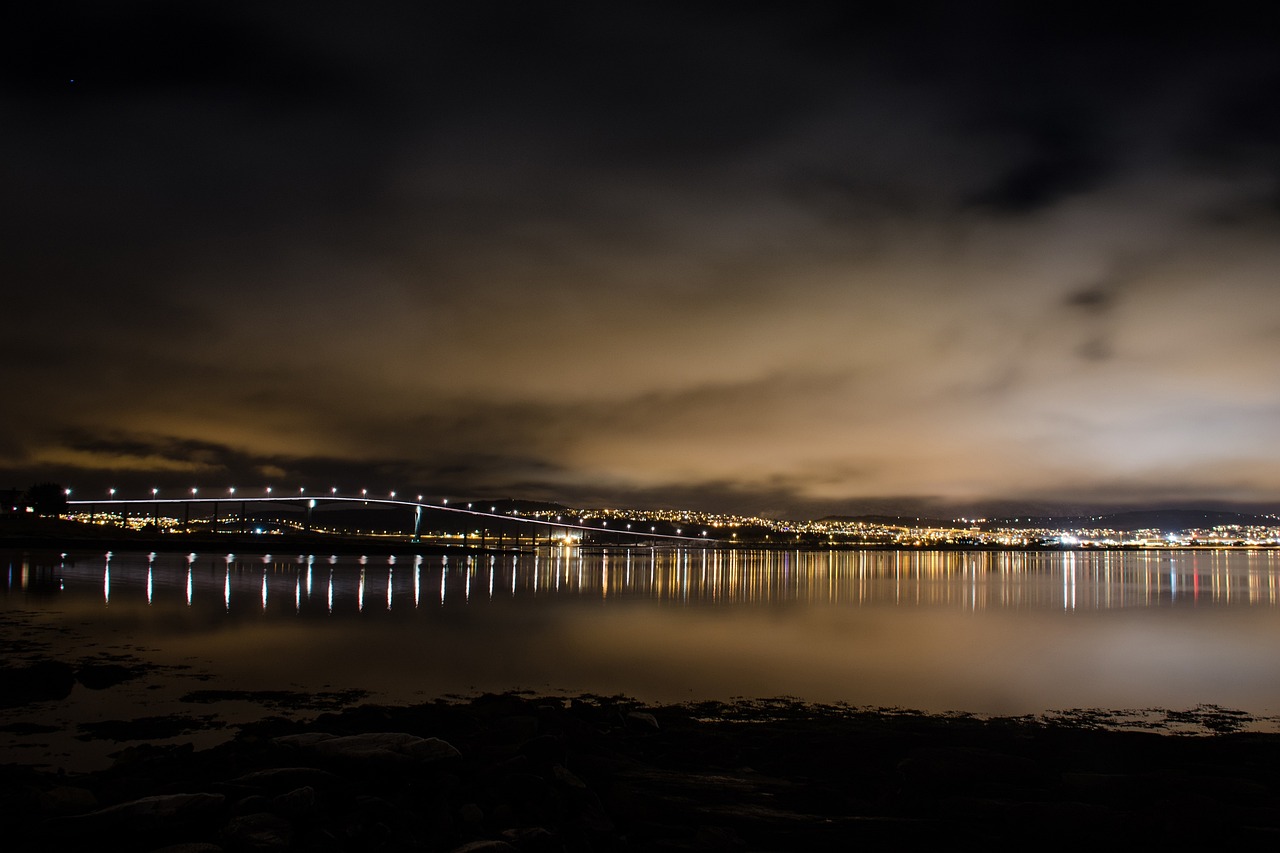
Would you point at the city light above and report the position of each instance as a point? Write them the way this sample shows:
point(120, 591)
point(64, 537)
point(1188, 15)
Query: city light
point(905, 533)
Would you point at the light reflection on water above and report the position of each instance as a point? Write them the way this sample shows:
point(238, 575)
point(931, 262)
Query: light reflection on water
point(1001, 580)
point(987, 632)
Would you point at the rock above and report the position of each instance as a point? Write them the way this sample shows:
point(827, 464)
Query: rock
point(99, 676)
point(471, 813)
point(283, 779)
point(945, 769)
point(565, 776)
point(164, 808)
point(298, 804)
point(487, 846)
point(189, 847)
point(147, 819)
point(533, 839)
point(68, 800)
point(642, 720)
point(253, 804)
point(372, 748)
point(39, 682)
point(375, 808)
point(718, 838)
point(304, 740)
point(546, 749)
point(518, 728)
point(258, 832)
point(529, 793)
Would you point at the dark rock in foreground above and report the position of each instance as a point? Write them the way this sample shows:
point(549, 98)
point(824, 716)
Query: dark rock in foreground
point(510, 773)
point(37, 682)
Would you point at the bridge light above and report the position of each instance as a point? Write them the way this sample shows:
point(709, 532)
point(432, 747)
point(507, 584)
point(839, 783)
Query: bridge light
point(268, 491)
point(393, 494)
point(155, 492)
point(68, 492)
point(232, 491)
point(112, 492)
point(194, 491)
point(334, 490)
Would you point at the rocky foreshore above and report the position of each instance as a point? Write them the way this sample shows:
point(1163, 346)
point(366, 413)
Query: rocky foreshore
point(522, 773)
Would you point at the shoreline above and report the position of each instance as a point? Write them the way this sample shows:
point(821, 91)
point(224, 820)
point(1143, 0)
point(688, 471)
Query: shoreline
point(515, 771)
point(388, 545)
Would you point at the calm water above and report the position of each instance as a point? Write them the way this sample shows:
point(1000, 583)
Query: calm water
point(991, 633)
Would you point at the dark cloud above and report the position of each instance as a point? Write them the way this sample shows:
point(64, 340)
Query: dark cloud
point(1095, 299)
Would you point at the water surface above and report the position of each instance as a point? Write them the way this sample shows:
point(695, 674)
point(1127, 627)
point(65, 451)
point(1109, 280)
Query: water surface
point(989, 633)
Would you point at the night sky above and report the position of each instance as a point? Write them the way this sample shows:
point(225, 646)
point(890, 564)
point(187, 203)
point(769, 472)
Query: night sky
point(824, 258)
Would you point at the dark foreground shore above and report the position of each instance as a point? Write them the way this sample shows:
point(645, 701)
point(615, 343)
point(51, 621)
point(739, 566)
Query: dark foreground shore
point(519, 773)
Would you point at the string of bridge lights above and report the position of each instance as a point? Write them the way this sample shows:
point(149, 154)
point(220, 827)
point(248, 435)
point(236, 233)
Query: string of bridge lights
point(270, 494)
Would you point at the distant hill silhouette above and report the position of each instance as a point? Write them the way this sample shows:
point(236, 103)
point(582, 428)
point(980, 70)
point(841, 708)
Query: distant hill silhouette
point(1168, 520)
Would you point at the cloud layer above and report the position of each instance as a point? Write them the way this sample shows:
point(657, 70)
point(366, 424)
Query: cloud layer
point(799, 259)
